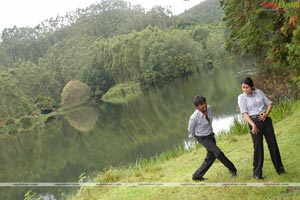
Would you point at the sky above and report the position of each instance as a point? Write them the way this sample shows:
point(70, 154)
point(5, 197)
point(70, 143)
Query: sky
point(23, 13)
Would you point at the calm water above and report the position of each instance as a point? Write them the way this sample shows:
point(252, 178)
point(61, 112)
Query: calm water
point(93, 137)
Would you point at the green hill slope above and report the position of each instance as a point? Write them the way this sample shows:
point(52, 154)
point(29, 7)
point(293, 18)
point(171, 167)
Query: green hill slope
point(174, 172)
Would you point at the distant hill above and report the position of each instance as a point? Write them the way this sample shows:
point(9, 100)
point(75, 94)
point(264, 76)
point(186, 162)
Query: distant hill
point(208, 11)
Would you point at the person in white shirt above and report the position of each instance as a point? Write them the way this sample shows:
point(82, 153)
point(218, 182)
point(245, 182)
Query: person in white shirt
point(255, 108)
point(200, 127)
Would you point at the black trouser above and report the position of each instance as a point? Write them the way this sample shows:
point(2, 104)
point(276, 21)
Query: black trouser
point(213, 152)
point(265, 128)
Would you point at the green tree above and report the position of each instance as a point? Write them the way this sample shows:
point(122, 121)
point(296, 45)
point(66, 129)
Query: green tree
point(267, 35)
point(13, 102)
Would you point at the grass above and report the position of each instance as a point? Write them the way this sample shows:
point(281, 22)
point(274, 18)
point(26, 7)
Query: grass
point(177, 167)
point(122, 93)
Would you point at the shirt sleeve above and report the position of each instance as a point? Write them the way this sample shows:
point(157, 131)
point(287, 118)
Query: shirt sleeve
point(242, 104)
point(266, 100)
point(191, 126)
point(209, 114)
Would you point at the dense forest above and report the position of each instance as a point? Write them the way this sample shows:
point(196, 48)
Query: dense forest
point(113, 42)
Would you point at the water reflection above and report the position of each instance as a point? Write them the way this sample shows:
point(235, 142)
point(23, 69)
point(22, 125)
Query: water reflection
point(83, 118)
point(114, 134)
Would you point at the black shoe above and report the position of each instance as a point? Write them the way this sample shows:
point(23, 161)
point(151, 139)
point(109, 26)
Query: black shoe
point(258, 177)
point(199, 178)
point(280, 171)
point(232, 174)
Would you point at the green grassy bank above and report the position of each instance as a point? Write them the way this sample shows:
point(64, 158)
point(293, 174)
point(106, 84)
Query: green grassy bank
point(177, 167)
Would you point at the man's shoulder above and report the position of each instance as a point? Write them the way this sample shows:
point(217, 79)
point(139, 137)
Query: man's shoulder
point(196, 114)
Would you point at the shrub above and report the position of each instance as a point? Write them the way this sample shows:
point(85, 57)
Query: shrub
point(26, 122)
point(75, 93)
point(9, 121)
point(45, 103)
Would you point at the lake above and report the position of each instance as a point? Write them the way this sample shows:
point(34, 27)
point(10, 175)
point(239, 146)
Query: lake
point(93, 137)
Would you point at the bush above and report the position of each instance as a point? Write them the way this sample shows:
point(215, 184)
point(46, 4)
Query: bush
point(281, 110)
point(75, 93)
point(26, 122)
point(9, 121)
point(45, 103)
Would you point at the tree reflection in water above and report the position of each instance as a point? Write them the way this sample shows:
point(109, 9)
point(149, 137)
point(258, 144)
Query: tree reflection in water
point(83, 118)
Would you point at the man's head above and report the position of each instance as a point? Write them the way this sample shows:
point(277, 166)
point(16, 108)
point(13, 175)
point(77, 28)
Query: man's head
point(200, 103)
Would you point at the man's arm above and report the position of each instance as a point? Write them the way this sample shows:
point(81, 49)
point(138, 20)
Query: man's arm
point(192, 126)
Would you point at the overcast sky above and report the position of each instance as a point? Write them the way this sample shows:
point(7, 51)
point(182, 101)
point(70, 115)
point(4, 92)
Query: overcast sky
point(24, 13)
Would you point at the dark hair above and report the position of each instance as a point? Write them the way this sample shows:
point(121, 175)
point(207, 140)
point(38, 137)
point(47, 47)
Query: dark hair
point(248, 81)
point(199, 100)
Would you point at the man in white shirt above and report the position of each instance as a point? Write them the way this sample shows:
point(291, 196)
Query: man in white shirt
point(200, 127)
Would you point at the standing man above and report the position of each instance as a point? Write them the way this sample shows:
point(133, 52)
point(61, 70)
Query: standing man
point(200, 127)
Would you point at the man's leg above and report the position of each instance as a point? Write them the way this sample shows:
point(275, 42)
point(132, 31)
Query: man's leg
point(206, 164)
point(213, 152)
point(227, 163)
point(208, 143)
point(212, 146)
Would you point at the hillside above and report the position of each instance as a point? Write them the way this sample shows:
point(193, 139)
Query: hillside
point(174, 172)
point(207, 12)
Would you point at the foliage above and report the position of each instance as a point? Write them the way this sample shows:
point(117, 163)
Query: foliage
point(282, 109)
point(75, 93)
point(104, 19)
point(82, 178)
point(269, 34)
point(95, 75)
point(152, 57)
point(296, 81)
point(30, 195)
point(122, 92)
point(294, 49)
point(206, 12)
point(177, 56)
point(13, 100)
point(278, 84)
point(45, 103)
point(26, 122)
point(65, 58)
point(21, 85)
